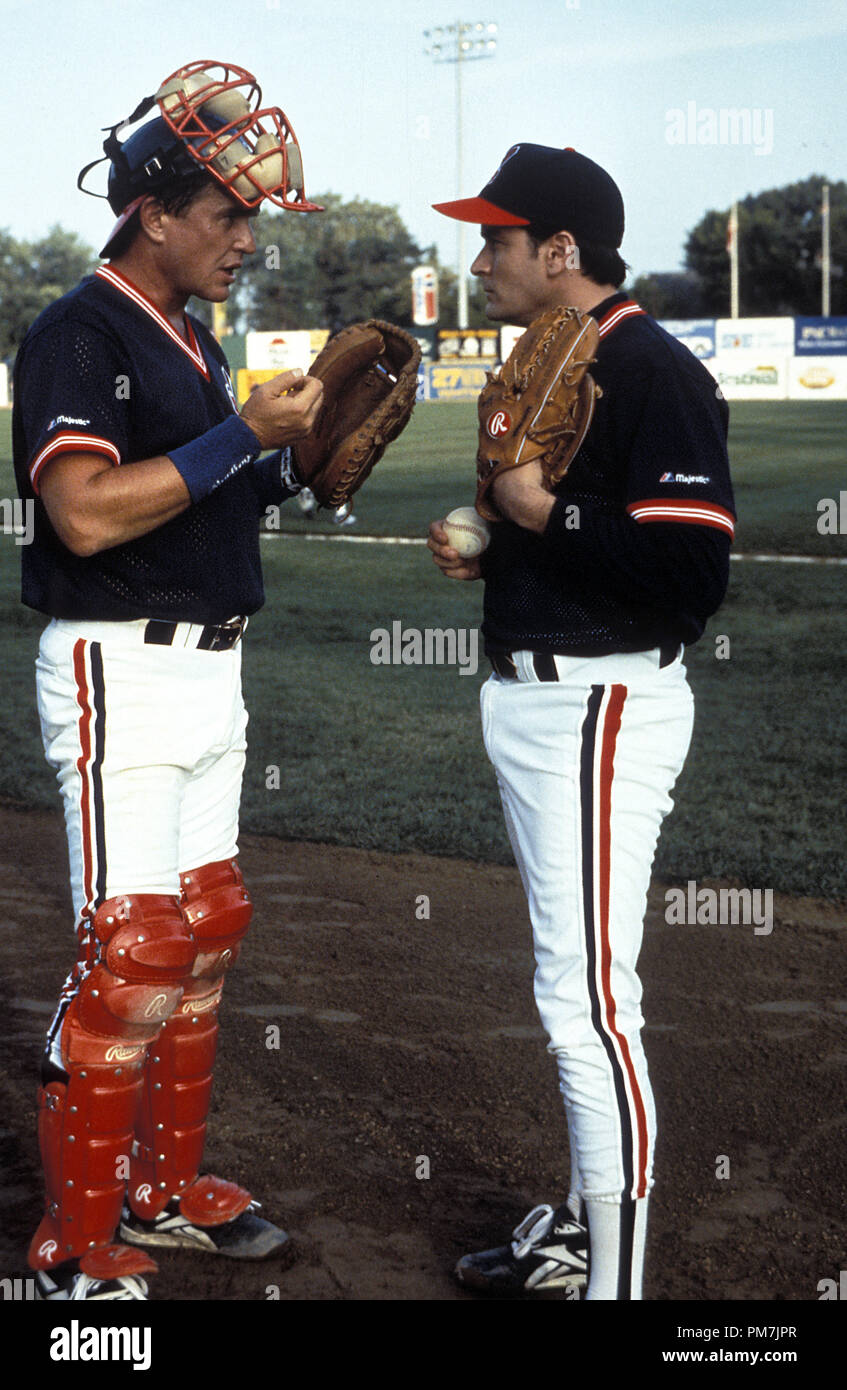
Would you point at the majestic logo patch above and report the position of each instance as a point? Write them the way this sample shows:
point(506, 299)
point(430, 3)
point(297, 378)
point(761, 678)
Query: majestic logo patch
point(65, 420)
point(684, 478)
point(498, 424)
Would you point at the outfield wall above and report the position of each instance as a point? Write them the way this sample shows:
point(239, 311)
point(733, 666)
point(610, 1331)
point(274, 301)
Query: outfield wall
point(768, 359)
point(752, 359)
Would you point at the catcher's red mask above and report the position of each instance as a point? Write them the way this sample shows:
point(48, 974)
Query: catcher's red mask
point(211, 116)
point(215, 109)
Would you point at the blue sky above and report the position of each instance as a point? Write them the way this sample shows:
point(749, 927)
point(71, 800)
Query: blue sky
point(376, 117)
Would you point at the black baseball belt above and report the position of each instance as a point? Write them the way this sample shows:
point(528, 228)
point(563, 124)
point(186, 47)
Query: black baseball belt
point(221, 637)
point(544, 663)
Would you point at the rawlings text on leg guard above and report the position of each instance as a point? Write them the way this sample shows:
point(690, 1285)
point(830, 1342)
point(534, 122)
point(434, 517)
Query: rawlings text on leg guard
point(87, 1120)
point(171, 1128)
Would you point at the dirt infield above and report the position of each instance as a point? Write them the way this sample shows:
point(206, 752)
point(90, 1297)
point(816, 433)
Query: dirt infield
point(360, 1039)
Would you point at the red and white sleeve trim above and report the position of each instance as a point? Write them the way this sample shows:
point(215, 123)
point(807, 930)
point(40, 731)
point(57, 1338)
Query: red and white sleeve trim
point(688, 512)
point(72, 444)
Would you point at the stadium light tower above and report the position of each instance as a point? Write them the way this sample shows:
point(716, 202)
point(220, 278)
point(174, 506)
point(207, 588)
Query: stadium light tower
point(461, 43)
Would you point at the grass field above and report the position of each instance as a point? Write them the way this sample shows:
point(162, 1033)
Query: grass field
point(761, 797)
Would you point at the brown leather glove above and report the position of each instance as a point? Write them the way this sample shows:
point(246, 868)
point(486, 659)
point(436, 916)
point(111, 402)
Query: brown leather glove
point(370, 377)
point(540, 403)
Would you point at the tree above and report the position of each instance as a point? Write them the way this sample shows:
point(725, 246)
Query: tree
point(779, 249)
point(32, 275)
point(352, 261)
point(670, 294)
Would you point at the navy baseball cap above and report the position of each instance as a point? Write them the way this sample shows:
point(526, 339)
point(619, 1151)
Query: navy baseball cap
point(548, 187)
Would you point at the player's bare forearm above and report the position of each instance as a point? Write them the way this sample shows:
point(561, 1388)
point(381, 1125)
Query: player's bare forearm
point(522, 498)
point(448, 560)
point(93, 507)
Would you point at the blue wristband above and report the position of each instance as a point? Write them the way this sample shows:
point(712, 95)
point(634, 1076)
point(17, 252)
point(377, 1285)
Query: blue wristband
point(215, 456)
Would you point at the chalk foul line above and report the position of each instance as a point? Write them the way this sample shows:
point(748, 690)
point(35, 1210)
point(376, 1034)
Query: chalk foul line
point(416, 540)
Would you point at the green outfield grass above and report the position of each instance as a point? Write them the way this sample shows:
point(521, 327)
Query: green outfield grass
point(786, 456)
point(761, 797)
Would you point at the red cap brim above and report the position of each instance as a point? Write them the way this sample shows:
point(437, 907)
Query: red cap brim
point(481, 211)
point(129, 211)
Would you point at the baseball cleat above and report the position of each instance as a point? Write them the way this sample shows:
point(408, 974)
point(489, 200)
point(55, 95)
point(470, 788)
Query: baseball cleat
point(549, 1250)
point(111, 1272)
point(66, 1283)
point(246, 1237)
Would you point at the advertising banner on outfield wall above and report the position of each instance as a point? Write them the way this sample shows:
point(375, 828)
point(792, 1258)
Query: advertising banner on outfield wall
point(755, 335)
point(285, 350)
point(817, 378)
point(698, 335)
point(745, 376)
point(246, 380)
point(462, 344)
point(450, 382)
point(819, 335)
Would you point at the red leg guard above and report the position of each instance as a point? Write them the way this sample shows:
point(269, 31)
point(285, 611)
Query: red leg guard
point(171, 1128)
point(87, 1120)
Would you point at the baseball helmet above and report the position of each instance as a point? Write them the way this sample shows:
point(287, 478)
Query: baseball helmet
point(211, 120)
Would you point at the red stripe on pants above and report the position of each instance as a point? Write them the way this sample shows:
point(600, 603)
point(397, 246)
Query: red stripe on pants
point(83, 764)
point(611, 729)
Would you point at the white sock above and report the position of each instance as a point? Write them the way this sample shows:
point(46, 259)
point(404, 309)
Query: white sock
point(617, 1234)
point(575, 1203)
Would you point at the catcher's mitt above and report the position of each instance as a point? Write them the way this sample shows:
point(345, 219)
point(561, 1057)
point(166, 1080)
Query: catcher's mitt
point(540, 404)
point(370, 377)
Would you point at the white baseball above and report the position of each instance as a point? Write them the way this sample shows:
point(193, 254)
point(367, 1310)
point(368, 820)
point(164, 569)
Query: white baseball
point(467, 532)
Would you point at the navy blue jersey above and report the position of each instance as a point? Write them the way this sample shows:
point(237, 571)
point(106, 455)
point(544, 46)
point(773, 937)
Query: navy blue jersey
point(102, 371)
point(636, 550)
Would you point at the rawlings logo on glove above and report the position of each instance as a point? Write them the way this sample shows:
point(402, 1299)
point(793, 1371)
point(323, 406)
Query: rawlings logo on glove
point(540, 404)
point(370, 377)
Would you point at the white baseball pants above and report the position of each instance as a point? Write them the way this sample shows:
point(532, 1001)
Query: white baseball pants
point(148, 743)
point(585, 766)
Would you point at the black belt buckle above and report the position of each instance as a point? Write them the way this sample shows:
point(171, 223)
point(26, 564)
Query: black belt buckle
point(223, 637)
